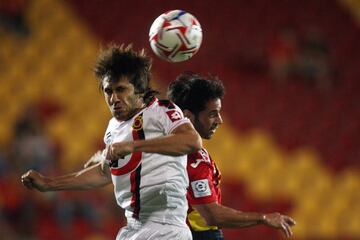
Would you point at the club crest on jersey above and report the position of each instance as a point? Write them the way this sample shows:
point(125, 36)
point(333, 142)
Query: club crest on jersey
point(138, 123)
point(174, 115)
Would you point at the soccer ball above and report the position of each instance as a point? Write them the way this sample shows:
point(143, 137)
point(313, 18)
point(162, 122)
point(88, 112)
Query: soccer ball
point(175, 36)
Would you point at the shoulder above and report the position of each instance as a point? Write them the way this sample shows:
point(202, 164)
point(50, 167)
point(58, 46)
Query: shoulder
point(113, 123)
point(166, 104)
point(108, 133)
point(164, 107)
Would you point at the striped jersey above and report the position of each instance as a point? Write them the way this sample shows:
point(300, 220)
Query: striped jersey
point(204, 187)
point(150, 186)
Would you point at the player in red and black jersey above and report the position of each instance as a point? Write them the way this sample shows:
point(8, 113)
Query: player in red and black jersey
point(200, 99)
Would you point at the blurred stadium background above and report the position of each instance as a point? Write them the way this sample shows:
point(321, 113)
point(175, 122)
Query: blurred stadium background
point(291, 138)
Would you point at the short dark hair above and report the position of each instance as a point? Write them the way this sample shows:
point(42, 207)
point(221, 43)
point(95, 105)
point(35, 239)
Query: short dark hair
point(192, 92)
point(117, 61)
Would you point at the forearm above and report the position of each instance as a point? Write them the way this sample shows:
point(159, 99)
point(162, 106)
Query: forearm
point(181, 141)
point(88, 178)
point(173, 144)
point(233, 219)
point(221, 216)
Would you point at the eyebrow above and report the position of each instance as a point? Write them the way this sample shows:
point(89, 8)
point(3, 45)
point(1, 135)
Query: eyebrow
point(214, 111)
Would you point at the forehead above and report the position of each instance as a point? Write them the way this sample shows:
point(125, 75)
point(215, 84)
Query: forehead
point(107, 82)
point(213, 104)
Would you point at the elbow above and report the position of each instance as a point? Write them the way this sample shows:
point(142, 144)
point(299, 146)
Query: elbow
point(210, 221)
point(213, 221)
point(215, 216)
point(196, 143)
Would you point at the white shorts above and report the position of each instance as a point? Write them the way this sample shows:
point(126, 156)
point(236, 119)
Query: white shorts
point(154, 231)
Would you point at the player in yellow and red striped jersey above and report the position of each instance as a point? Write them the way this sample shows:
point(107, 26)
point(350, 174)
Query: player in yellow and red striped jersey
point(200, 99)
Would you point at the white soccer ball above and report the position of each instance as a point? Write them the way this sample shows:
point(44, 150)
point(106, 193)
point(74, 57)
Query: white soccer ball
point(175, 36)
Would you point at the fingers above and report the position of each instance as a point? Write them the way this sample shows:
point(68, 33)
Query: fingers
point(119, 150)
point(109, 152)
point(281, 222)
point(286, 223)
point(95, 159)
point(27, 180)
point(286, 229)
point(27, 183)
point(289, 221)
point(87, 164)
point(112, 152)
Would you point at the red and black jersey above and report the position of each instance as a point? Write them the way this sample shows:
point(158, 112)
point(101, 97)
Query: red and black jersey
point(204, 187)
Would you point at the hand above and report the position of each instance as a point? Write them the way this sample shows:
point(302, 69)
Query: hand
point(119, 150)
point(95, 159)
point(32, 179)
point(282, 222)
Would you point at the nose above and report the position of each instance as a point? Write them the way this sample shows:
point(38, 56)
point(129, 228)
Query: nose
point(114, 98)
point(219, 119)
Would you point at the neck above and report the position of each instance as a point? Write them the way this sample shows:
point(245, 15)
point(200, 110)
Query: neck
point(135, 111)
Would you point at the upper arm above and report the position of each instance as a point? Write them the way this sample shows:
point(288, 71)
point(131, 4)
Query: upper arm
point(189, 136)
point(185, 128)
point(170, 120)
point(202, 189)
point(98, 174)
point(167, 116)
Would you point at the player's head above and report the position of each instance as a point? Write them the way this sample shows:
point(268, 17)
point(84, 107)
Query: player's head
point(200, 100)
point(124, 76)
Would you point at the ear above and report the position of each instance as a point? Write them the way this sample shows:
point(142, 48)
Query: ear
point(189, 115)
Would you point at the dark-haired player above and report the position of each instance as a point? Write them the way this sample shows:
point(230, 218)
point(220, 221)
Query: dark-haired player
point(147, 142)
point(200, 99)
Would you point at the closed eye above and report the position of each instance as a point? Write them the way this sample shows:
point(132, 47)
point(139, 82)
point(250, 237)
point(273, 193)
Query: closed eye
point(108, 91)
point(120, 89)
point(214, 114)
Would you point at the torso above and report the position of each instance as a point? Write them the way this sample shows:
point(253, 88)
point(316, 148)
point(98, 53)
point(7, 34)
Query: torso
point(149, 186)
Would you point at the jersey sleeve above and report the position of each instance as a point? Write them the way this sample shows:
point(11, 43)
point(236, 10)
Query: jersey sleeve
point(201, 188)
point(168, 116)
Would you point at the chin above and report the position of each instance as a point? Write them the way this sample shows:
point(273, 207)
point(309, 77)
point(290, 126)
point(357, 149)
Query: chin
point(208, 137)
point(118, 116)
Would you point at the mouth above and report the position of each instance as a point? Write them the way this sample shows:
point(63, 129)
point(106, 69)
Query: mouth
point(213, 130)
point(117, 108)
point(117, 111)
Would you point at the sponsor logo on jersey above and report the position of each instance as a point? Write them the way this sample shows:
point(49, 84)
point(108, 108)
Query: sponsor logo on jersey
point(174, 115)
point(201, 188)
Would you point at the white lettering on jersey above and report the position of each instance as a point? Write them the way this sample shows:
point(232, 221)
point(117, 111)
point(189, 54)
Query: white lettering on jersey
point(198, 161)
point(201, 188)
point(174, 115)
point(205, 158)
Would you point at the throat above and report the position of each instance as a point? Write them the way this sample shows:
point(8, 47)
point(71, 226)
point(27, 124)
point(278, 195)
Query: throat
point(135, 111)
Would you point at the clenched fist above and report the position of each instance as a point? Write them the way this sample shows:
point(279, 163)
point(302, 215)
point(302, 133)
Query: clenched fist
point(34, 180)
point(119, 150)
